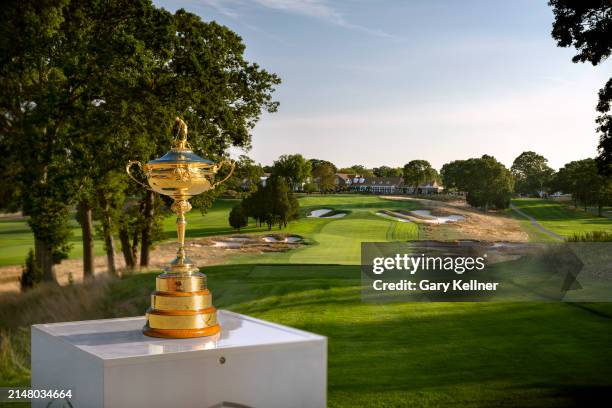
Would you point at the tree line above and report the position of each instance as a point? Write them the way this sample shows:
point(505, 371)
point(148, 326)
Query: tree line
point(87, 86)
point(485, 182)
point(270, 204)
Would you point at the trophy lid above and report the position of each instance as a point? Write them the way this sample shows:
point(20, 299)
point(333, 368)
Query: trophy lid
point(180, 156)
point(181, 152)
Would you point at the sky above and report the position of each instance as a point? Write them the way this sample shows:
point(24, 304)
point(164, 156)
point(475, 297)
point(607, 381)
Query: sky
point(388, 81)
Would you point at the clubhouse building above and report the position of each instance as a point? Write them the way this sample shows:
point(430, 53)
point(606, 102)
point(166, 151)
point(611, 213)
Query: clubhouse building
point(382, 185)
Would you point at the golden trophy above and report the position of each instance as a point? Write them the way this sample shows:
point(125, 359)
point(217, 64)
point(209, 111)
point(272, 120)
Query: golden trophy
point(181, 306)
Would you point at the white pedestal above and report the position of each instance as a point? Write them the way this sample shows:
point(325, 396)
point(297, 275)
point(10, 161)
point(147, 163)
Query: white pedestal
point(110, 363)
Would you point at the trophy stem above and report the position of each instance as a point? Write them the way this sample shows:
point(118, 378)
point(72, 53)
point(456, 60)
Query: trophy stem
point(181, 263)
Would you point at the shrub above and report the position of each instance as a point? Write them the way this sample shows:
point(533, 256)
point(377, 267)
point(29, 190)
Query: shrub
point(31, 273)
point(238, 218)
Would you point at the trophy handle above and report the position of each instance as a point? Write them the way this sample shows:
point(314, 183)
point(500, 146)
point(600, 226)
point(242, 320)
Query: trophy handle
point(233, 164)
point(129, 172)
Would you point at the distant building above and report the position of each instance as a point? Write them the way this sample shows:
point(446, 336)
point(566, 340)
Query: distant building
point(383, 185)
point(431, 187)
point(342, 181)
point(263, 179)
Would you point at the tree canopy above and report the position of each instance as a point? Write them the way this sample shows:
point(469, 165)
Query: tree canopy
point(386, 171)
point(531, 173)
point(293, 167)
point(324, 175)
point(272, 204)
point(418, 172)
point(587, 26)
point(487, 182)
point(87, 86)
point(581, 179)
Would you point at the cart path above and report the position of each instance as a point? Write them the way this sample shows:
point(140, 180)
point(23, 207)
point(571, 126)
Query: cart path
point(536, 224)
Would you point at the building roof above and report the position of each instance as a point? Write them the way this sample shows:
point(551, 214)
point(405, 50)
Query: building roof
point(343, 176)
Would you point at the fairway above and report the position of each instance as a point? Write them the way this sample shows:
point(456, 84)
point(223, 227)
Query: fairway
point(335, 239)
point(338, 240)
point(562, 219)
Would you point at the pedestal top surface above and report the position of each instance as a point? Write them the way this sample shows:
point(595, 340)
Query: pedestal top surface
point(122, 338)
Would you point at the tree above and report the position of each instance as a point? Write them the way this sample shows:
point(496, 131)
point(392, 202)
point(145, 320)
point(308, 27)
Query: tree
point(386, 171)
point(454, 175)
point(487, 182)
point(206, 79)
point(246, 175)
point(357, 169)
point(587, 26)
point(418, 172)
point(35, 101)
point(238, 218)
point(314, 163)
point(90, 85)
point(531, 173)
point(324, 175)
point(273, 204)
point(292, 167)
point(580, 178)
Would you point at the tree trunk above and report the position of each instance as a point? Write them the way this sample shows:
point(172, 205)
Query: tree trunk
point(135, 243)
point(44, 258)
point(145, 244)
point(126, 249)
point(109, 244)
point(85, 218)
point(107, 232)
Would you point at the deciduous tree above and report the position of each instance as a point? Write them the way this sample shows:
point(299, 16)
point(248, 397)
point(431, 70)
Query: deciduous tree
point(587, 26)
point(531, 173)
point(418, 172)
point(293, 167)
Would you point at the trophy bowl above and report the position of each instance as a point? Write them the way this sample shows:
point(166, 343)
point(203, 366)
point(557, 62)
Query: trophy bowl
point(181, 306)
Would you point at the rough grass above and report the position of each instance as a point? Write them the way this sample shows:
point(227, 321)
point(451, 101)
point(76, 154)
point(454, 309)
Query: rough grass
point(561, 218)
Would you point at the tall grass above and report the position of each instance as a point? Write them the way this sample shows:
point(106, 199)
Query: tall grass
point(43, 304)
point(591, 236)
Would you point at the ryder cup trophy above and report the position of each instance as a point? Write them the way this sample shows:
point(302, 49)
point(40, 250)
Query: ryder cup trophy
point(181, 306)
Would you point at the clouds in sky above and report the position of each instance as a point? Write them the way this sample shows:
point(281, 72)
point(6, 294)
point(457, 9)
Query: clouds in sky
point(318, 9)
point(385, 82)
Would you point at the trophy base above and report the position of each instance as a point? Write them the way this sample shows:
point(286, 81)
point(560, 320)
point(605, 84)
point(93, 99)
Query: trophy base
point(181, 333)
point(181, 307)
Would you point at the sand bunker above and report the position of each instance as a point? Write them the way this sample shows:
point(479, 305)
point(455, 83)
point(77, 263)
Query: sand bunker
point(319, 213)
point(322, 214)
point(392, 217)
point(289, 240)
point(227, 244)
point(426, 216)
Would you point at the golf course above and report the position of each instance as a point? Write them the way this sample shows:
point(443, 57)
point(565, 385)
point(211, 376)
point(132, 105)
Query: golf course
point(380, 355)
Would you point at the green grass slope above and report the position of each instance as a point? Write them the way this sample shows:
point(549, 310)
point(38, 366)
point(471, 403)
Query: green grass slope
point(562, 219)
point(383, 355)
